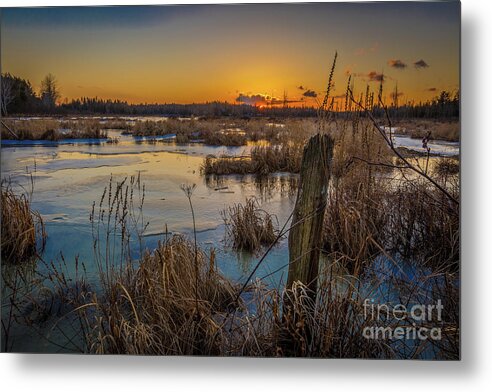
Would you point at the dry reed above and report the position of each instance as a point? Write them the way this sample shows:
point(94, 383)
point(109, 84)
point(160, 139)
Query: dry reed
point(248, 226)
point(22, 228)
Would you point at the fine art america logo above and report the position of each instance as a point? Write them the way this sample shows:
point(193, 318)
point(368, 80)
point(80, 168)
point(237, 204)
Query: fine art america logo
point(403, 321)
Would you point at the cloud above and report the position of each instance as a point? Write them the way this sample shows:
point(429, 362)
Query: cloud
point(253, 99)
point(301, 87)
point(398, 64)
point(420, 64)
point(431, 89)
point(262, 100)
point(310, 94)
point(373, 76)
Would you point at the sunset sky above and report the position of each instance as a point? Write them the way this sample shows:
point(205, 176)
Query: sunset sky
point(236, 53)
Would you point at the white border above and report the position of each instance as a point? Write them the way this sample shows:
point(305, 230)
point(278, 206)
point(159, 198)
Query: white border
point(82, 373)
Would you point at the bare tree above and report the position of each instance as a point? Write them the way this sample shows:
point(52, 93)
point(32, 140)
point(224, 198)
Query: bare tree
point(49, 91)
point(7, 94)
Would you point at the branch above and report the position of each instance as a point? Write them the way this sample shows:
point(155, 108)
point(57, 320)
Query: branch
point(408, 165)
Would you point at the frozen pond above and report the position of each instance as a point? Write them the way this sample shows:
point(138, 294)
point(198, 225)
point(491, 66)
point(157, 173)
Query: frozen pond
point(68, 178)
point(439, 147)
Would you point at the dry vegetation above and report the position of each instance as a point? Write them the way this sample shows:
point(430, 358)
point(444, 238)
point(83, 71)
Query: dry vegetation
point(248, 226)
point(263, 160)
point(225, 132)
point(218, 132)
point(52, 129)
point(154, 308)
point(442, 130)
point(22, 228)
point(282, 153)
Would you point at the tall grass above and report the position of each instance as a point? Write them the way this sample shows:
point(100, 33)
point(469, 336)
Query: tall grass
point(248, 226)
point(151, 309)
point(22, 228)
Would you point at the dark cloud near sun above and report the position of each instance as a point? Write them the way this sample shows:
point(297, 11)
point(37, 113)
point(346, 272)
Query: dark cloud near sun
point(301, 87)
point(398, 64)
point(431, 89)
point(253, 99)
point(262, 100)
point(421, 64)
point(310, 94)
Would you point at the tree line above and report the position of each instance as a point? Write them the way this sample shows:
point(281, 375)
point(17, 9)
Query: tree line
point(18, 98)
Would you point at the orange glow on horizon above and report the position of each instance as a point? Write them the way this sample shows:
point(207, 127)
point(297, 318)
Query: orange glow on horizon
point(200, 54)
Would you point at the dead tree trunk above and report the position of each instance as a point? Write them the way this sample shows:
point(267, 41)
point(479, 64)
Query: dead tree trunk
point(309, 211)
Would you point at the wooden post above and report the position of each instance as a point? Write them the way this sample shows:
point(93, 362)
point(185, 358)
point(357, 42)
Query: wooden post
point(309, 211)
point(295, 332)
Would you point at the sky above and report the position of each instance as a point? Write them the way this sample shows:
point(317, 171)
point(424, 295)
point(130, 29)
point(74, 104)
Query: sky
point(237, 53)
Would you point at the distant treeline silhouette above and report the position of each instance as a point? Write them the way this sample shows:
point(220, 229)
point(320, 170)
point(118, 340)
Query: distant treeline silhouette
point(19, 98)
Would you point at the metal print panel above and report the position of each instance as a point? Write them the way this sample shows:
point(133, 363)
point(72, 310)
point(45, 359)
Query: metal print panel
point(264, 180)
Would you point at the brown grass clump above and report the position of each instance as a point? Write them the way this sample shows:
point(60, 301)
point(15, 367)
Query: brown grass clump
point(113, 123)
point(225, 139)
point(422, 226)
point(211, 132)
point(446, 167)
point(32, 129)
point(53, 129)
point(248, 226)
point(354, 226)
point(441, 130)
point(376, 206)
point(21, 227)
point(162, 127)
point(83, 128)
point(226, 164)
point(277, 158)
point(263, 160)
point(355, 216)
point(151, 309)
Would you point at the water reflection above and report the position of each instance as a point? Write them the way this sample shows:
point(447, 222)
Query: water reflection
point(267, 187)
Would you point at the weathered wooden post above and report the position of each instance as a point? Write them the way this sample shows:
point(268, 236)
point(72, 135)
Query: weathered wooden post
point(309, 212)
point(296, 334)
